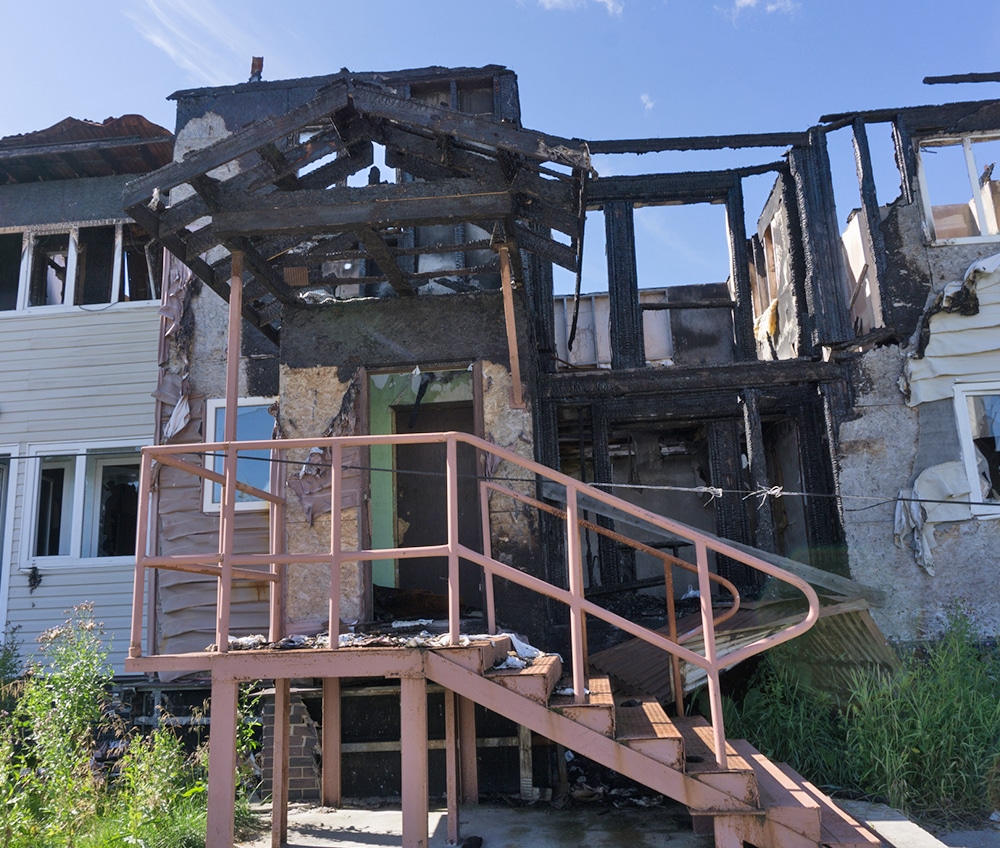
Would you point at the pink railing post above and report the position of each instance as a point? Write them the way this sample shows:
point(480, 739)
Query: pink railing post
point(454, 595)
point(577, 620)
point(141, 546)
point(484, 520)
point(276, 535)
point(336, 540)
point(708, 629)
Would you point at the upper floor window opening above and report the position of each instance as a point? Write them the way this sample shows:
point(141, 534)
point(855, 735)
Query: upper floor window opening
point(960, 194)
point(76, 266)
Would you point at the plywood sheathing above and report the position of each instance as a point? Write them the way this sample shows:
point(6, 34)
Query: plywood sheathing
point(312, 401)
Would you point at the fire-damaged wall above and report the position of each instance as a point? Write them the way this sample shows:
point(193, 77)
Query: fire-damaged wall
point(439, 344)
point(917, 457)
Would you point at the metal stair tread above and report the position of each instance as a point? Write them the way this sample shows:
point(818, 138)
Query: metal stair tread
point(542, 665)
point(598, 693)
point(787, 803)
point(838, 826)
point(645, 720)
point(699, 754)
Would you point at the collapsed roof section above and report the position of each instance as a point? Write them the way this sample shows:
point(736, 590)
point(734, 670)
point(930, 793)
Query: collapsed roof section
point(277, 191)
point(73, 148)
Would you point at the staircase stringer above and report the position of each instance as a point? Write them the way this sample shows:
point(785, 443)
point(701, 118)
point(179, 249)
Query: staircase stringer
point(681, 787)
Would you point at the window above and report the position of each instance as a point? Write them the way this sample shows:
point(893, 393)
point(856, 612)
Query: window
point(961, 197)
point(86, 502)
point(977, 406)
point(79, 266)
point(253, 423)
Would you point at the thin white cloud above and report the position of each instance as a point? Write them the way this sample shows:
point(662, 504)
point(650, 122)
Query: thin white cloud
point(197, 37)
point(769, 6)
point(647, 102)
point(613, 7)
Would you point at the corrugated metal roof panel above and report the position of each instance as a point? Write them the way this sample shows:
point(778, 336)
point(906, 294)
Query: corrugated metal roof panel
point(844, 639)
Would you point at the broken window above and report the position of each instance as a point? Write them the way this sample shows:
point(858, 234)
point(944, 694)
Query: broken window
point(10, 269)
point(51, 270)
point(977, 406)
point(961, 197)
point(85, 266)
point(87, 504)
point(253, 423)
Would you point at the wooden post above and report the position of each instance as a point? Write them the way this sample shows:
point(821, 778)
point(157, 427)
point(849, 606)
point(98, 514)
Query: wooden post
point(467, 750)
point(451, 755)
point(279, 764)
point(517, 397)
point(413, 730)
point(222, 765)
point(331, 742)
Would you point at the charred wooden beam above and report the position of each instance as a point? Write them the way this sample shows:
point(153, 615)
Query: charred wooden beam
point(289, 161)
point(705, 142)
point(373, 100)
point(547, 248)
point(746, 345)
point(7, 153)
point(905, 157)
point(764, 534)
point(261, 268)
point(627, 346)
point(686, 187)
point(925, 119)
point(869, 203)
point(825, 275)
point(411, 204)
point(481, 244)
point(545, 215)
point(711, 378)
point(959, 78)
point(327, 101)
point(380, 252)
point(724, 453)
point(357, 156)
point(284, 174)
point(448, 158)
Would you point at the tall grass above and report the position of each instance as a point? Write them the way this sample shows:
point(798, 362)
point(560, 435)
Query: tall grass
point(925, 740)
point(928, 738)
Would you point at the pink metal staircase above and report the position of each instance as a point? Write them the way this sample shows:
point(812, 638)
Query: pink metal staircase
point(746, 797)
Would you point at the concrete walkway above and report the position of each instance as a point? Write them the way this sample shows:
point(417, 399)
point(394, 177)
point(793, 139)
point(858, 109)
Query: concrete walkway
point(499, 827)
point(596, 826)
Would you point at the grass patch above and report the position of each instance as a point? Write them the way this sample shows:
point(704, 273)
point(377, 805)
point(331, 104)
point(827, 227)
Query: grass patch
point(925, 740)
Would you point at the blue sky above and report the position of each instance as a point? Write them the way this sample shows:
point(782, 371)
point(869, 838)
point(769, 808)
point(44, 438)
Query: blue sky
point(586, 68)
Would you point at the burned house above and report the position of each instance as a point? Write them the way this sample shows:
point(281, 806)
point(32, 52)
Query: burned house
point(371, 402)
point(79, 342)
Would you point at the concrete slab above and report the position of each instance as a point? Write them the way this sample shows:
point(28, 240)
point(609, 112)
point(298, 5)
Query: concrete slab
point(499, 827)
point(899, 832)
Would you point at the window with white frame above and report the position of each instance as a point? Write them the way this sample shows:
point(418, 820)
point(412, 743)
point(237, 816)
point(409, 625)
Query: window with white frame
point(85, 503)
point(977, 406)
point(253, 423)
point(961, 197)
point(75, 266)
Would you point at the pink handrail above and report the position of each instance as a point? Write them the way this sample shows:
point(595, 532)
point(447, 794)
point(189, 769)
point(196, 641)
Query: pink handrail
point(228, 565)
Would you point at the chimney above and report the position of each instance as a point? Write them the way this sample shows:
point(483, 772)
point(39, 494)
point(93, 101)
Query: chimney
point(256, 68)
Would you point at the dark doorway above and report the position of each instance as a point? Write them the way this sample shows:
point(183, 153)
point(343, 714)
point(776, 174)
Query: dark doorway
point(421, 499)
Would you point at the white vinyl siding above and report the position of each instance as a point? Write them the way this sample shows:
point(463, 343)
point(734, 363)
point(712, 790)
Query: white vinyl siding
point(76, 377)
